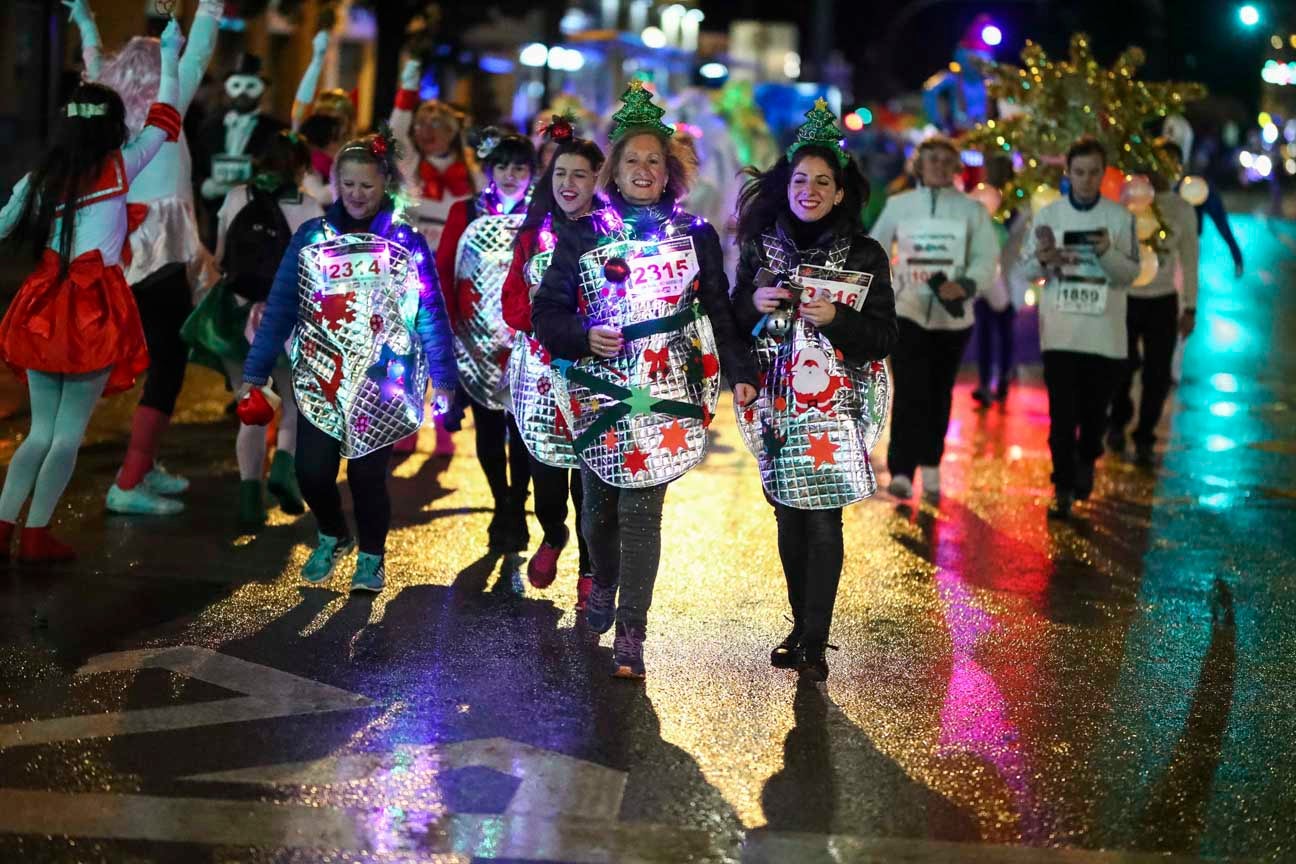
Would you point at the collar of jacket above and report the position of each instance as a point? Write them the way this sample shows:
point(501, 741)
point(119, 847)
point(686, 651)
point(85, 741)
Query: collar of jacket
point(381, 224)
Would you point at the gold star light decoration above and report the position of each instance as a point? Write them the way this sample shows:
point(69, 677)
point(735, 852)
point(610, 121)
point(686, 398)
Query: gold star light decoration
point(1052, 103)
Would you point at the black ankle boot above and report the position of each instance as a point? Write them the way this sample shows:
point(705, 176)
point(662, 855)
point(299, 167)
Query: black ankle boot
point(811, 662)
point(784, 655)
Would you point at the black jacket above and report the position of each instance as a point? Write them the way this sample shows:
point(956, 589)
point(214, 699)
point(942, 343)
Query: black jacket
point(212, 143)
point(866, 334)
point(562, 329)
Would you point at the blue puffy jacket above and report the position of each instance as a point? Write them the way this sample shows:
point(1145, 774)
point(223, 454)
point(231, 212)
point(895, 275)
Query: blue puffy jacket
point(281, 306)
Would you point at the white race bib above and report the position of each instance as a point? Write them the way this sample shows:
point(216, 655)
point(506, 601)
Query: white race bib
point(666, 272)
point(840, 286)
point(362, 263)
point(930, 246)
point(231, 170)
point(1082, 286)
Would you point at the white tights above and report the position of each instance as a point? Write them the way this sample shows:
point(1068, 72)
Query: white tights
point(251, 444)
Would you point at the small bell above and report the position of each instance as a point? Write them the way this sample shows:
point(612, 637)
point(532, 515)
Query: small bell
point(779, 323)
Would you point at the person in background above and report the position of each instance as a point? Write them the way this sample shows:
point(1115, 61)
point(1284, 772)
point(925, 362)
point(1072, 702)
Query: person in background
point(1086, 248)
point(1156, 318)
point(946, 253)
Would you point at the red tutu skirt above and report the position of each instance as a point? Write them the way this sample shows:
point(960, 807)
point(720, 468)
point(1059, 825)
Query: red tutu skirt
point(84, 322)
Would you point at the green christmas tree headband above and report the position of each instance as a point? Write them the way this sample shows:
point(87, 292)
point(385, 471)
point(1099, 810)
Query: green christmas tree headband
point(820, 129)
point(638, 112)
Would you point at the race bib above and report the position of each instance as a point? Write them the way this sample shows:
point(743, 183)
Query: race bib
point(357, 267)
point(1082, 287)
point(930, 246)
point(665, 273)
point(231, 170)
point(840, 286)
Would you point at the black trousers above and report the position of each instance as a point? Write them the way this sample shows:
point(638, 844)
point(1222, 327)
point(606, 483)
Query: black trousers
point(924, 365)
point(1153, 327)
point(164, 304)
point(994, 334)
point(503, 457)
point(552, 488)
point(623, 528)
point(810, 546)
point(318, 458)
point(1079, 388)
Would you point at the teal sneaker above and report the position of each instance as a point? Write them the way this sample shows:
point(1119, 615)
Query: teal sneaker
point(369, 573)
point(159, 481)
point(319, 566)
point(140, 501)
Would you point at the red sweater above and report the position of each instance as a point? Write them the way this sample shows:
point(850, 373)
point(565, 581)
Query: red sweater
point(457, 296)
point(517, 293)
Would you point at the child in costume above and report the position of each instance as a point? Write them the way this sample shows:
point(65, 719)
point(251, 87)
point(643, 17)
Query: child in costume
point(73, 330)
point(264, 215)
point(823, 389)
point(642, 315)
point(472, 261)
point(167, 259)
point(562, 202)
point(358, 292)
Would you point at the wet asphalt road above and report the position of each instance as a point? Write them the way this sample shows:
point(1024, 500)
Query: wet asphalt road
point(1005, 690)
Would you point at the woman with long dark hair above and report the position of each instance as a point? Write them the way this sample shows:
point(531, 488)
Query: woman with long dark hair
point(73, 330)
point(642, 315)
point(354, 285)
point(562, 203)
point(472, 260)
point(815, 291)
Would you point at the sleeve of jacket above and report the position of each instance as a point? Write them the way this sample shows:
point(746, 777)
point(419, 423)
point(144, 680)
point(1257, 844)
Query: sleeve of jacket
point(736, 359)
point(280, 312)
point(1028, 267)
point(1121, 260)
point(746, 314)
point(558, 325)
point(447, 250)
point(432, 323)
point(516, 294)
point(983, 251)
point(884, 229)
point(872, 332)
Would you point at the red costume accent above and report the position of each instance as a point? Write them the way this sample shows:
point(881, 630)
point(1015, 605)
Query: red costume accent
point(166, 118)
point(84, 322)
point(407, 100)
point(453, 179)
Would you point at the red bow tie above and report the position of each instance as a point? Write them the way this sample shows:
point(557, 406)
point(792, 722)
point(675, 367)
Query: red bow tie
point(436, 182)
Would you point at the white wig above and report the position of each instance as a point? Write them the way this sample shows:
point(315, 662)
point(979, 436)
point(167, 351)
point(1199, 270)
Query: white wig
point(135, 72)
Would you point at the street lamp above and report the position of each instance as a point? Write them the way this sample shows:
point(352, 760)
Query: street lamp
point(1249, 15)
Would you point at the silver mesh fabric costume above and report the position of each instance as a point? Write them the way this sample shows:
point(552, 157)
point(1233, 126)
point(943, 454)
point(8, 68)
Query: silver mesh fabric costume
point(816, 415)
point(359, 373)
point(482, 341)
point(640, 419)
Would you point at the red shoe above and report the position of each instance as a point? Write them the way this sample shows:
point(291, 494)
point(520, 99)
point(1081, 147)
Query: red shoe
point(543, 566)
point(6, 538)
point(38, 545)
point(583, 586)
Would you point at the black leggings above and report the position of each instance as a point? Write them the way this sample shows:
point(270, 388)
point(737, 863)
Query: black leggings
point(810, 546)
point(506, 473)
point(318, 458)
point(552, 486)
point(164, 304)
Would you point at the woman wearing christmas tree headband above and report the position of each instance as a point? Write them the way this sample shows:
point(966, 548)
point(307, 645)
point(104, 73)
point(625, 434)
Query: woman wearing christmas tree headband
point(815, 292)
point(643, 313)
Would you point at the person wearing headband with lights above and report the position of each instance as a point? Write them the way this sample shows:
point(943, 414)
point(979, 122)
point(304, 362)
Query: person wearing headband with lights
point(167, 263)
point(815, 291)
point(946, 253)
point(358, 292)
point(641, 316)
point(73, 330)
point(472, 260)
point(562, 203)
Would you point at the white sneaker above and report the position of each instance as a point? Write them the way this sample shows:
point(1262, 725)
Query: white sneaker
point(930, 481)
point(901, 486)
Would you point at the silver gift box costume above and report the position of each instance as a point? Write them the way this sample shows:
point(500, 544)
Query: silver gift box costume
point(639, 420)
point(482, 341)
point(817, 415)
point(359, 371)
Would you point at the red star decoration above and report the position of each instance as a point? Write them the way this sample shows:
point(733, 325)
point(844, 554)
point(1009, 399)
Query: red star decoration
point(610, 439)
point(635, 461)
point(821, 450)
point(673, 438)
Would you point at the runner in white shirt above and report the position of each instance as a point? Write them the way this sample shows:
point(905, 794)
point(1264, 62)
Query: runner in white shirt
point(945, 254)
point(1086, 249)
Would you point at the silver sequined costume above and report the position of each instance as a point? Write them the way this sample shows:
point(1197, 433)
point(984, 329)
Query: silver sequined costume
point(482, 341)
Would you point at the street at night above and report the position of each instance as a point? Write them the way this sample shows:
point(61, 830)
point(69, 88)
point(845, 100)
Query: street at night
point(1006, 688)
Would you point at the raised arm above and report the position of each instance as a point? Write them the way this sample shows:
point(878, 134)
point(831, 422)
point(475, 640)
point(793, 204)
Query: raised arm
point(402, 118)
point(91, 45)
point(198, 51)
point(164, 122)
point(310, 80)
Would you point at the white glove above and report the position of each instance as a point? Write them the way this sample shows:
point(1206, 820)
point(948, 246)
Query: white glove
point(172, 41)
point(213, 188)
point(211, 8)
point(79, 12)
point(410, 75)
point(320, 44)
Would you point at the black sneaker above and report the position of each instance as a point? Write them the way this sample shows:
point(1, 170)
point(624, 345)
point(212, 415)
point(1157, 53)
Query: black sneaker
point(784, 655)
point(983, 396)
point(1116, 442)
point(1084, 477)
point(1145, 455)
point(1061, 508)
point(811, 662)
point(627, 652)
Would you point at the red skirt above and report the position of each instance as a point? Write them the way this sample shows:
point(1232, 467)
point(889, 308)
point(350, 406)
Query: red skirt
point(85, 322)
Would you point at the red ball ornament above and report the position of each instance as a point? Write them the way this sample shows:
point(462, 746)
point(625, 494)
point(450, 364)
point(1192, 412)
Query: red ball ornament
point(616, 270)
point(710, 365)
point(254, 409)
point(379, 147)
